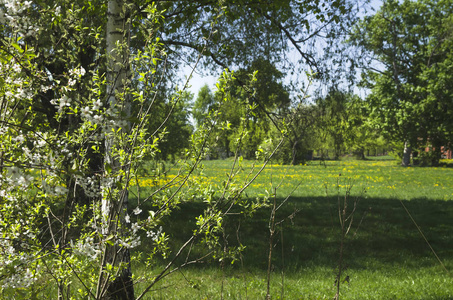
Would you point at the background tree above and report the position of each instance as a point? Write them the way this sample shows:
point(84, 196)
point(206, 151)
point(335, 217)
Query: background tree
point(266, 97)
point(204, 104)
point(177, 129)
point(270, 95)
point(251, 29)
point(408, 46)
point(333, 118)
point(360, 135)
point(342, 124)
point(301, 138)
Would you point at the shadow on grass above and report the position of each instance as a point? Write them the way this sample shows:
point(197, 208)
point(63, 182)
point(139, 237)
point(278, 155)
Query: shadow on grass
point(382, 233)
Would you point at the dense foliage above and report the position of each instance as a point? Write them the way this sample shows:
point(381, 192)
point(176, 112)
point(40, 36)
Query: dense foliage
point(406, 61)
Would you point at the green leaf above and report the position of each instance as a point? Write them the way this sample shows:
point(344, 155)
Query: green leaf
point(18, 47)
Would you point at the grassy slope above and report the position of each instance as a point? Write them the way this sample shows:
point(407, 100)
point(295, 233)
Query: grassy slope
point(386, 256)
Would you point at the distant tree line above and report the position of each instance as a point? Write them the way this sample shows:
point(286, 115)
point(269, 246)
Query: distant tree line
point(336, 122)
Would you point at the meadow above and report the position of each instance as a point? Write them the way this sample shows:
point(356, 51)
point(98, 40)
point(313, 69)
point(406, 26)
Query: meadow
point(399, 245)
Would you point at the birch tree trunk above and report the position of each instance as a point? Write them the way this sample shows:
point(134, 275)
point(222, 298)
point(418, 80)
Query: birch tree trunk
point(113, 208)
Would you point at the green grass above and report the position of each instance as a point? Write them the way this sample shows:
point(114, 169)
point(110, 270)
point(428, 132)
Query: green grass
point(379, 178)
point(387, 258)
point(313, 283)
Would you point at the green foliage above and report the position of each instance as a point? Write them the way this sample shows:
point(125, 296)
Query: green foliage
point(343, 124)
point(333, 119)
point(248, 30)
point(300, 135)
point(270, 95)
point(410, 47)
point(204, 104)
point(174, 117)
point(244, 108)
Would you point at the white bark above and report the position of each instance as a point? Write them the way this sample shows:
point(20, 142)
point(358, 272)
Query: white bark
point(117, 71)
point(115, 78)
point(406, 155)
point(117, 43)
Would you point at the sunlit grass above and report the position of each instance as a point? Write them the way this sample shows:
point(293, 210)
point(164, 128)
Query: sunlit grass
point(380, 178)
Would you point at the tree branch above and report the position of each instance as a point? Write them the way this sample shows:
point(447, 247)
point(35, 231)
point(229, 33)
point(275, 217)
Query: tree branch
point(308, 58)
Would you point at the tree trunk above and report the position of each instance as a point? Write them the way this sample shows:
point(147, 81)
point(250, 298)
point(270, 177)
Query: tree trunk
point(122, 288)
point(436, 153)
point(114, 210)
point(336, 154)
point(406, 155)
point(359, 154)
point(294, 153)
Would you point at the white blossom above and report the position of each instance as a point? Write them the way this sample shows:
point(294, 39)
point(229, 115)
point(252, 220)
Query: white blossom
point(85, 112)
point(14, 173)
point(27, 4)
point(61, 103)
point(64, 101)
point(97, 105)
point(21, 279)
point(130, 243)
point(9, 94)
point(24, 180)
point(17, 68)
point(137, 210)
point(60, 190)
point(154, 235)
point(90, 185)
point(45, 88)
point(86, 248)
point(97, 119)
point(135, 227)
point(40, 143)
point(19, 139)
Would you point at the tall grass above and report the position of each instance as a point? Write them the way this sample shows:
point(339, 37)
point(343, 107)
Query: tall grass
point(384, 254)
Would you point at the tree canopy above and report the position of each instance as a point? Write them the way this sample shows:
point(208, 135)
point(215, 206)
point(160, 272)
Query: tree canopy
point(249, 29)
point(407, 53)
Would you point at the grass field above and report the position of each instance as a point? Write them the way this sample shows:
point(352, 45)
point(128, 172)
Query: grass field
point(385, 255)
